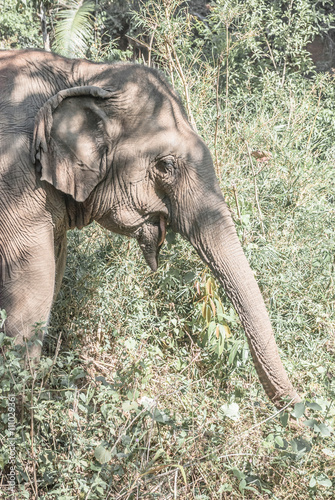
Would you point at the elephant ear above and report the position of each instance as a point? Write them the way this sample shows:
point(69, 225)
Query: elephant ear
point(72, 138)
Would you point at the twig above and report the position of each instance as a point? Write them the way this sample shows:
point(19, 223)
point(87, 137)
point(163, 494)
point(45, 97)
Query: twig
point(126, 428)
point(3, 354)
point(175, 485)
point(256, 189)
point(32, 434)
point(288, 25)
point(176, 63)
point(27, 474)
point(52, 434)
point(247, 431)
point(46, 39)
point(33, 374)
point(98, 364)
point(89, 491)
point(150, 44)
point(227, 76)
point(59, 341)
point(170, 62)
point(149, 440)
point(270, 51)
point(316, 114)
point(191, 362)
point(199, 460)
point(236, 201)
point(218, 116)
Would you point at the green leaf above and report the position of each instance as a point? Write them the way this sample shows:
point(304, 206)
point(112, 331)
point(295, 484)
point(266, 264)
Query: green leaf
point(284, 418)
point(133, 395)
point(242, 485)
point(221, 345)
point(230, 411)
point(189, 277)
point(238, 474)
point(129, 405)
point(310, 423)
point(211, 329)
point(102, 455)
point(233, 353)
point(312, 482)
point(300, 446)
point(279, 441)
point(245, 219)
point(74, 28)
point(208, 313)
point(225, 331)
point(219, 309)
point(161, 417)
point(225, 487)
point(203, 309)
point(299, 410)
point(329, 452)
point(324, 481)
point(313, 406)
point(130, 344)
point(182, 470)
point(322, 429)
point(158, 453)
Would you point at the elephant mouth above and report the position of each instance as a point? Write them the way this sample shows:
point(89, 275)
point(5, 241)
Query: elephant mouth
point(151, 237)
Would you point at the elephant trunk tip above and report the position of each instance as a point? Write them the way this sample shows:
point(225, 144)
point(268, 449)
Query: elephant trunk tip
point(285, 399)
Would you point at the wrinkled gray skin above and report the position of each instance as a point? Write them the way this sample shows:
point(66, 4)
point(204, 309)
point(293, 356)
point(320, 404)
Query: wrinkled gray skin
point(109, 142)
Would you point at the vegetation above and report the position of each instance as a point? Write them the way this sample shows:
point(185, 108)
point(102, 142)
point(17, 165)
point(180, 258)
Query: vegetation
point(146, 388)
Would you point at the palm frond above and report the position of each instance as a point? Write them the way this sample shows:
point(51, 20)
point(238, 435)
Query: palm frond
point(74, 28)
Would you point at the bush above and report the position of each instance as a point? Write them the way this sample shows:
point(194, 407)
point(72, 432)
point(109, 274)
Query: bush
point(19, 27)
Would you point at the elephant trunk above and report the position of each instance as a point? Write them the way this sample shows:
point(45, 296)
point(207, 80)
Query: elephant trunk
point(214, 236)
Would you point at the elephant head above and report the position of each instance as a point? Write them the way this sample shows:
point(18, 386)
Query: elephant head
point(124, 154)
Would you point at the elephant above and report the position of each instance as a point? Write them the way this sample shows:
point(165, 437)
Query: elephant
point(111, 143)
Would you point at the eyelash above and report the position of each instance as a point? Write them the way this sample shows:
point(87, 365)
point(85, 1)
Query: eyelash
point(166, 164)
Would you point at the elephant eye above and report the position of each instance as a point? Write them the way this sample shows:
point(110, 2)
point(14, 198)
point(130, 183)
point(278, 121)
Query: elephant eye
point(166, 164)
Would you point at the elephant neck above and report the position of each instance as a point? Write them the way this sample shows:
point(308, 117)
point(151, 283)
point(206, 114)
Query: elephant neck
point(79, 214)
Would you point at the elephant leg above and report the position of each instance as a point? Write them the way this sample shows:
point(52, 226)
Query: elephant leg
point(60, 255)
point(28, 288)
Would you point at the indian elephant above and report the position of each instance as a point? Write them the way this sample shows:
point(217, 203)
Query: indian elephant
point(83, 142)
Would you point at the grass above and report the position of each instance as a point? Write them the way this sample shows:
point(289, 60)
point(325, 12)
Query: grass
point(133, 407)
